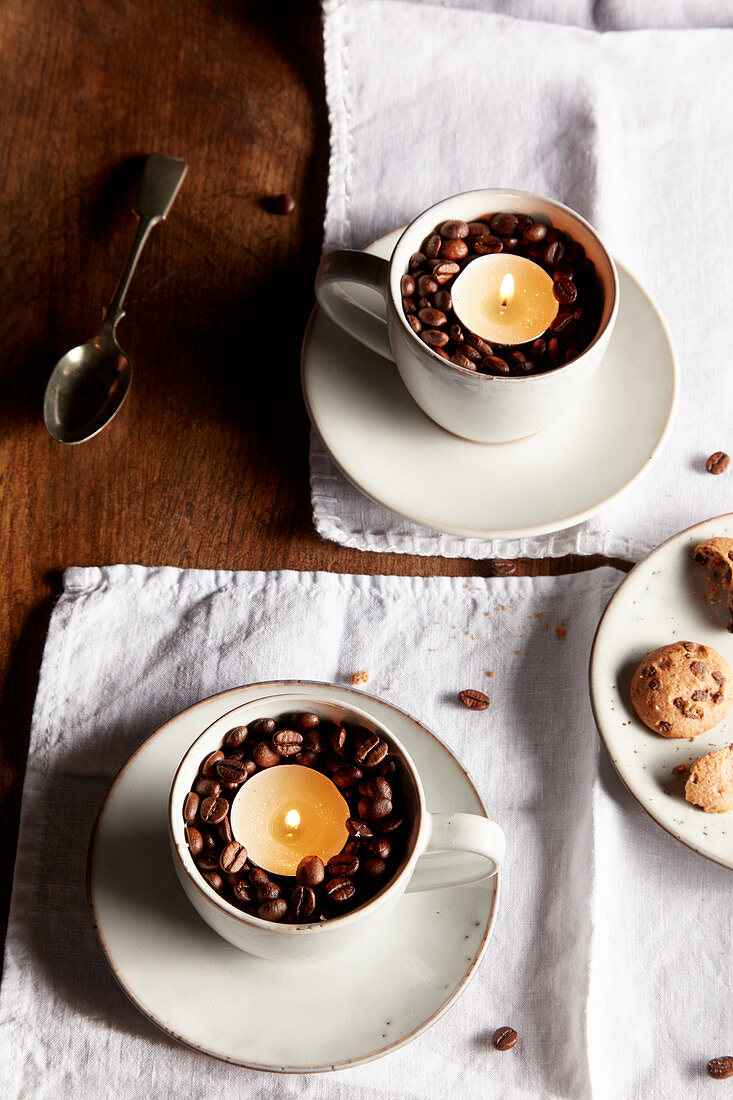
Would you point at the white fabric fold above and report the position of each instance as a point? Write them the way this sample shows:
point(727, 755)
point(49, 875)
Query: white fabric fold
point(609, 951)
point(586, 102)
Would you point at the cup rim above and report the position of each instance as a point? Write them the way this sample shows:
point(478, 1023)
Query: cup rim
point(183, 855)
point(564, 368)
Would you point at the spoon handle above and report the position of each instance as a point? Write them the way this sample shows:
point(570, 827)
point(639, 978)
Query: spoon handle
point(161, 180)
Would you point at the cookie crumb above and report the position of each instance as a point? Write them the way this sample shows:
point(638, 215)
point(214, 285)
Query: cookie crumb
point(681, 769)
point(361, 677)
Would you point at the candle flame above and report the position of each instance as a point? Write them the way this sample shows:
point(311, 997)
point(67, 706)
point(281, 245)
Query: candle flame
point(292, 819)
point(506, 291)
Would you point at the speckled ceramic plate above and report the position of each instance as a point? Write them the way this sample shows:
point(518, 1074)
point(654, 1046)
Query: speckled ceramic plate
point(664, 599)
point(396, 455)
point(277, 1016)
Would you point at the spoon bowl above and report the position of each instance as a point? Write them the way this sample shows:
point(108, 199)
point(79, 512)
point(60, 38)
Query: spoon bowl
point(86, 389)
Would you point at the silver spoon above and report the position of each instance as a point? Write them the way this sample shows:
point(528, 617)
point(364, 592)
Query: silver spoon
point(89, 384)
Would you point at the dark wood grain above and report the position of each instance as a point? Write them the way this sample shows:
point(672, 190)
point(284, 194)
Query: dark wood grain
point(206, 465)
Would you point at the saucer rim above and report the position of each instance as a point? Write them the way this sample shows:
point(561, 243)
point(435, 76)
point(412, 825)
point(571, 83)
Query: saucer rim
point(528, 531)
point(268, 1067)
point(598, 700)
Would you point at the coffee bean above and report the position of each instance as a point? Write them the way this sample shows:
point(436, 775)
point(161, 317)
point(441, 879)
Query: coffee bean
point(339, 890)
point(347, 777)
point(273, 910)
point(426, 286)
point(258, 877)
point(283, 204)
point(208, 861)
point(388, 824)
point(414, 324)
point(375, 787)
point(209, 764)
point(487, 246)
point(302, 904)
point(500, 567)
point(351, 847)
point(338, 738)
point(407, 286)
point(432, 317)
point(562, 323)
point(462, 361)
point(554, 253)
point(564, 290)
point(224, 831)
point(191, 806)
point(379, 847)
point(265, 756)
point(474, 700)
point(358, 828)
point(553, 350)
point(456, 333)
point(453, 230)
point(209, 842)
point(478, 229)
point(493, 364)
point(718, 463)
point(374, 868)
point(504, 1038)
point(389, 768)
point(440, 352)
point(539, 347)
point(469, 352)
point(434, 338)
point(720, 1068)
point(214, 880)
point(371, 751)
point(453, 250)
point(408, 306)
point(443, 301)
point(233, 857)
point(478, 345)
point(343, 865)
point(432, 246)
point(535, 232)
point(232, 771)
point(206, 786)
point(374, 809)
point(213, 810)
point(308, 720)
point(310, 871)
point(236, 736)
point(243, 894)
point(306, 758)
point(504, 224)
point(287, 742)
point(314, 740)
point(417, 259)
point(263, 727)
point(194, 840)
point(444, 272)
point(269, 891)
point(333, 763)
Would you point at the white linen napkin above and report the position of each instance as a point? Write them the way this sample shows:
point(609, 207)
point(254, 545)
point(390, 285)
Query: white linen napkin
point(609, 951)
point(630, 126)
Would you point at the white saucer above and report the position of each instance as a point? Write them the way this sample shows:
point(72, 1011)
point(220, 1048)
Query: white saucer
point(390, 450)
point(662, 600)
point(266, 1015)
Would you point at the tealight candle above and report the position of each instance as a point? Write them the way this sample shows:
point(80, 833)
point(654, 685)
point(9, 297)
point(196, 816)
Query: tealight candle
point(288, 812)
point(505, 299)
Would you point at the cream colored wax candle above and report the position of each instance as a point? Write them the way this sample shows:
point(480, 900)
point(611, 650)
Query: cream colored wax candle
point(288, 812)
point(505, 299)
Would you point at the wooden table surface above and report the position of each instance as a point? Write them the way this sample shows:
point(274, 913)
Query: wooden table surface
point(207, 464)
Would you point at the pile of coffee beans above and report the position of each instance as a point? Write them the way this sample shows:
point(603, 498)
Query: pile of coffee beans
point(428, 305)
point(366, 772)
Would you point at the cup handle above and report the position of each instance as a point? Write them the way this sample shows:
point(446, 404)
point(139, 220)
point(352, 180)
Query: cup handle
point(478, 840)
point(347, 266)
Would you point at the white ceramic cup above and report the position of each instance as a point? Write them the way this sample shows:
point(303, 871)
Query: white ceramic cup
point(481, 407)
point(441, 849)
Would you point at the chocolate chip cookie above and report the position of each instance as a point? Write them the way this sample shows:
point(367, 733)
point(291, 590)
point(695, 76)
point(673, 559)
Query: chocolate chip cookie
point(683, 689)
point(716, 555)
point(711, 782)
